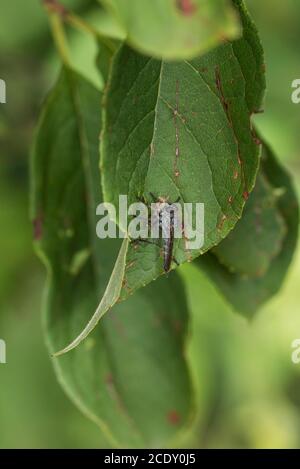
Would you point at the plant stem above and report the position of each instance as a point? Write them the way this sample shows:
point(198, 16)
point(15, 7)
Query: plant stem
point(81, 25)
point(56, 9)
point(59, 37)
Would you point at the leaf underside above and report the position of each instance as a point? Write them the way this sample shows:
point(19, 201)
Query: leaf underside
point(175, 29)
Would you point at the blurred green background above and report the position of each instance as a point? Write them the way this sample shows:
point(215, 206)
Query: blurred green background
point(248, 388)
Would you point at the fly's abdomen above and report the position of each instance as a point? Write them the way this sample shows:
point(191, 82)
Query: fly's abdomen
point(168, 252)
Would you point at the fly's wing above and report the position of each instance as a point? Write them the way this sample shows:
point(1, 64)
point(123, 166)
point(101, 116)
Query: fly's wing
point(167, 226)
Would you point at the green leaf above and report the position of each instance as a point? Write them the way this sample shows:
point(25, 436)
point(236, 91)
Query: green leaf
point(103, 60)
point(130, 376)
point(257, 239)
point(109, 299)
point(175, 29)
point(183, 129)
point(210, 158)
point(247, 293)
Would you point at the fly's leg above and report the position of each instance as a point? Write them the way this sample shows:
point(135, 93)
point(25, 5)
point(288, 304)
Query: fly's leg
point(155, 199)
point(136, 242)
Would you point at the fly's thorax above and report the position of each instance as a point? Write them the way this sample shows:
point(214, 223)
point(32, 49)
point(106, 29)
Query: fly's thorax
point(166, 219)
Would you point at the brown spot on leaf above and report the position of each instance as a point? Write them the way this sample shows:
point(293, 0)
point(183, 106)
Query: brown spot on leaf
point(56, 7)
point(125, 286)
point(226, 105)
point(177, 326)
point(37, 228)
point(173, 417)
point(175, 113)
point(128, 266)
point(109, 378)
point(222, 221)
point(186, 7)
point(246, 195)
point(256, 140)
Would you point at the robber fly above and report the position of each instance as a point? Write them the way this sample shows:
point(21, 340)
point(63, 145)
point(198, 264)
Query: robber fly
point(165, 212)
